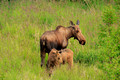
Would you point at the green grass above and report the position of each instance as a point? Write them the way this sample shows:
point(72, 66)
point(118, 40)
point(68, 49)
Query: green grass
point(79, 72)
point(23, 22)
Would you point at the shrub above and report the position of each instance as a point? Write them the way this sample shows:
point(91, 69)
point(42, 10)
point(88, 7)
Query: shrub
point(109, 44)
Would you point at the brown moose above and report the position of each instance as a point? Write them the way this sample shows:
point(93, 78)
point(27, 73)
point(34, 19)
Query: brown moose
point(56, 58)
point(58, 39)
point(67, 56)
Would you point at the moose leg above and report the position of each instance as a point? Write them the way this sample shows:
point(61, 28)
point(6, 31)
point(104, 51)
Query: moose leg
point(70, 62)
point(43, 54)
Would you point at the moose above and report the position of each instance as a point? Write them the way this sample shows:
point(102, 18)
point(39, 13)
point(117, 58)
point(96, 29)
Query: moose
point(56, 58)
point(58, 39)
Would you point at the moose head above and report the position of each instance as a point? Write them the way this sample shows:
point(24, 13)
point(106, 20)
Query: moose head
point(77, 34)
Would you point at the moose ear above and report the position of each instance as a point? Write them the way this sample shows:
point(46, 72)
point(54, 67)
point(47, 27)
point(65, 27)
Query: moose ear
point(71, 23)
point(78, 22)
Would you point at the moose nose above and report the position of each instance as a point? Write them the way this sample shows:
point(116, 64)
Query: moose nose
point(82, 42)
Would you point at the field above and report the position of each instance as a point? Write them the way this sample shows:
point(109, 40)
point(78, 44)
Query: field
point(23, 22)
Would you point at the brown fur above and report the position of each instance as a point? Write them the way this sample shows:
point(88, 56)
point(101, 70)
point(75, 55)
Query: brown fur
point(58, 39)
point(56, 58)
point(67, 56)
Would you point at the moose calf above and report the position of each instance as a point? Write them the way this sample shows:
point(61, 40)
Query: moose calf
point(67, 56)
point(56, 58)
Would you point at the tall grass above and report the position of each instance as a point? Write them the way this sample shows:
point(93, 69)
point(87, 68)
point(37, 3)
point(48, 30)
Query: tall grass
point(23, 22)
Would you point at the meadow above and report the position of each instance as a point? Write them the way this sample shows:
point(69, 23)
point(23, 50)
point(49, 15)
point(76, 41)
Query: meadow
point(22, 22)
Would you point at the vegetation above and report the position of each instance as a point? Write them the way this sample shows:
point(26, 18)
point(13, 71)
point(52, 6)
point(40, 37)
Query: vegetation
point(23, 22)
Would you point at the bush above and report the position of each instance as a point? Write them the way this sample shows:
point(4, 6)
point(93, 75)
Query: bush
point(109, 38)
point(88, 57)
point(109, 15)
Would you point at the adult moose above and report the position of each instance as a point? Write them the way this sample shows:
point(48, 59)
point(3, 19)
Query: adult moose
point(58, 39)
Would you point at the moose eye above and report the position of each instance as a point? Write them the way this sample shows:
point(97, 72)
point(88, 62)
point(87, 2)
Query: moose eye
point(58, 58)
point(77, 31)
point(53, 53)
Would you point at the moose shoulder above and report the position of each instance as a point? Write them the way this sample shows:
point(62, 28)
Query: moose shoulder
point(58, 39)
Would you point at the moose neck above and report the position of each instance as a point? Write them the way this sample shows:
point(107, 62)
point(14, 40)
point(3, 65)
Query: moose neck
point(69, 33)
